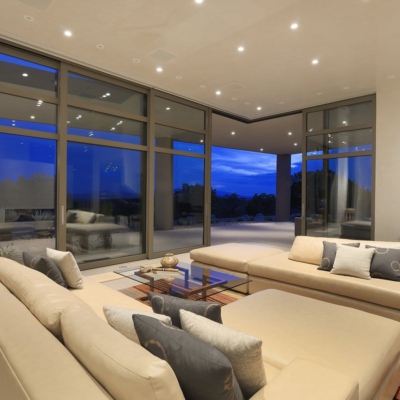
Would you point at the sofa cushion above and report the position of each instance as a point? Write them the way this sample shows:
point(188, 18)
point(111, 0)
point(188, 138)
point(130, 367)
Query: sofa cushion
point(169, 305)
point(309, 249)
point(84, 217)
point(385, 263)
point(121, 320)
point(66, 262)
point(241, 349)
point(280, 268)
point(358, 344)
point(33, 362)
point(351, 261)
point(203, 372)
point(329, 254)
point(232, 256)
point(122, 367)
point(43, 297)
point(45, 266)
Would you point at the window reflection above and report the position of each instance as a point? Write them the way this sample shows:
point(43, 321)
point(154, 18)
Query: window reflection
point(104, 202)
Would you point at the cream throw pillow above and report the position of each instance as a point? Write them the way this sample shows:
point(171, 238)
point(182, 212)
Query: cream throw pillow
point(352, 261)
point(66, 262)
point(121, 320)
point(241, 349)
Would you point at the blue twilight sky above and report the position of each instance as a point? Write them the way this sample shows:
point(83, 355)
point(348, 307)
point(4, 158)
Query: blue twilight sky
point(245, 172)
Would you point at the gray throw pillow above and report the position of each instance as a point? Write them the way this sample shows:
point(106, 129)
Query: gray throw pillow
point(329, 254)
point(45, 266)
point(169, 305)
point(241, 349)
point(203, 372)
point(385, 263)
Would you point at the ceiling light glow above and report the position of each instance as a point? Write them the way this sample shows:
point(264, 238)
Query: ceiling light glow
point(295, 144)
point(289, 133)
point(315, 62)
point(25, 74)
point(232, 133)
point(198, 1)
point(218, 92)
point(168, 108)
point(159, 69)
point(68, 33)
point(294, 26)
point(261, 149)
point(32, 117)
point(258, 108)
point(240, 48)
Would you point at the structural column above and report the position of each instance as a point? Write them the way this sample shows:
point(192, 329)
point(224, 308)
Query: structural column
point(283, 186)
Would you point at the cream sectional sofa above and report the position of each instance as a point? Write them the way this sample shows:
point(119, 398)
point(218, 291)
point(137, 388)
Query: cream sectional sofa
point(56, 344)
point(296, 272)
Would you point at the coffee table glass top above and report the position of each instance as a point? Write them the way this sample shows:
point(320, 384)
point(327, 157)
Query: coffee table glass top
point(185, 280)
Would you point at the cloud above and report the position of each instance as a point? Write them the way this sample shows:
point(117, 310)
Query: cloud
point(226, 168)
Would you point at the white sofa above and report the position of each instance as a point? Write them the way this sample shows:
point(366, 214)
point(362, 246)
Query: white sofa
point(296, 272)
point(55, 344)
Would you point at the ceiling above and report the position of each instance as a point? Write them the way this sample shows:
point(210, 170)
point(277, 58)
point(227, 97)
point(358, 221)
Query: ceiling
point(354, 41)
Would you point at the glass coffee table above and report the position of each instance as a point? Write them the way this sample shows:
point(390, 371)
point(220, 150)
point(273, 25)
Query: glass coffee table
point(185, 280)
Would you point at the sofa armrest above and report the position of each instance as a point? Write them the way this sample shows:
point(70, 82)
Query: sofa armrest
point(307, 380)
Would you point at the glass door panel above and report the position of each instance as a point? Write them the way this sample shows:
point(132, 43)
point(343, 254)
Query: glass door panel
point(178, 202)
point(27, 195)
point(105, 203)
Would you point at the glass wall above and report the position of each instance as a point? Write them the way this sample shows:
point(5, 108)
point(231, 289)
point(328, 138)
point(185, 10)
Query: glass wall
point(338, 164)
point(97, 203)
point(179, 176)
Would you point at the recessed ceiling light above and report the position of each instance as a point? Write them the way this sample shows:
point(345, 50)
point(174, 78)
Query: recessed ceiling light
point(68, 33)
point(136, 60)
point(218, 92)
point(294, 26)
point(159, 69)
point(202, 86)
point(108, 94)
point(240, 48)
point(201, 141)
point(310, 130)
point(295, 144)
point(289, 133)
point(258, 108)
point(178, 77)
point(25, 75)
point(315, 61)
point(345, 122)
point(100, 46)
point(232, 133)
point(261, 149)
point(198, 1)
point(29, 18)
point(32, 117)
point(168, 108)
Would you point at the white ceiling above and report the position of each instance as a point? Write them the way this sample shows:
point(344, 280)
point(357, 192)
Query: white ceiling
point(355, 41)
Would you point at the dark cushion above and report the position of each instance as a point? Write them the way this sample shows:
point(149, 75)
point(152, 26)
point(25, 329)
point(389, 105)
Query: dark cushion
point(169, 305)
point(45, 266)
point(329, 254)
point(203, 372)
point(71, 216)
point(385, 263)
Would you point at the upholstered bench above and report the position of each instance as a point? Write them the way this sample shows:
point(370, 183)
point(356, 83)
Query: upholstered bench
point(233, 257)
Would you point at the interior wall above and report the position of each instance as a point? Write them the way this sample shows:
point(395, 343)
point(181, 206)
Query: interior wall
point(387, 171)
